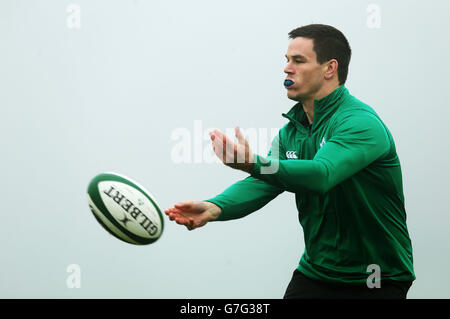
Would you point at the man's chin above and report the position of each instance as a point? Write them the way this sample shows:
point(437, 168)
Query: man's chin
point(293, 97)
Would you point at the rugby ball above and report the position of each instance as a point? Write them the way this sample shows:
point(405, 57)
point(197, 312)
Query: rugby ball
point(125, 209)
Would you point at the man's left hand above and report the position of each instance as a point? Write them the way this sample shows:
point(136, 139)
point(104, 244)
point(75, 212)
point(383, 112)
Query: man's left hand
point(235, 155)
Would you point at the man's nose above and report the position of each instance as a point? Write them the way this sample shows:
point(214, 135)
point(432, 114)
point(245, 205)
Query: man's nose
point(288, 69)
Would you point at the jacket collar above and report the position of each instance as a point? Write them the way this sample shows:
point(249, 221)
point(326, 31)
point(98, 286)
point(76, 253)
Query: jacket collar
point(323, 108)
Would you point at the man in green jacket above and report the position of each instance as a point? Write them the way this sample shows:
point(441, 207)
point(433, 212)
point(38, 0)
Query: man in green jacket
point(339, 159)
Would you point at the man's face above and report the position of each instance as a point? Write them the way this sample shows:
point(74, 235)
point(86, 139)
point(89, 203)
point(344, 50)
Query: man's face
point(303, 69)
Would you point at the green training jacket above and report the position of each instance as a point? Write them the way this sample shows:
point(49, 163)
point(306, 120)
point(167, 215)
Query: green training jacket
point(347, 180)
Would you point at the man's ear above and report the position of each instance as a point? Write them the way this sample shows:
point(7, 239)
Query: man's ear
point(331, 68)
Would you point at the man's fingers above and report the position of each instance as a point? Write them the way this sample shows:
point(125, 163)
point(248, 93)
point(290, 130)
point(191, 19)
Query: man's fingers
point(181, 220)
point(188, 206)
point(188, 222)
point(173, 216)
point(242, 140)
point(176, 215)
point(222, 146)
point(239, 135)
point(190, 225)
point(181, 212)
point(227, 150)
point(219, 146)
point(173, 211)
point(218, 133)
point(183, 205)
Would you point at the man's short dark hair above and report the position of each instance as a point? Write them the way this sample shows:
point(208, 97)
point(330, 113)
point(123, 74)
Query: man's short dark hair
point(329, 43)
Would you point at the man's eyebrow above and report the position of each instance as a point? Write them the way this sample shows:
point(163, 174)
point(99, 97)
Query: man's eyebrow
point(297, 56)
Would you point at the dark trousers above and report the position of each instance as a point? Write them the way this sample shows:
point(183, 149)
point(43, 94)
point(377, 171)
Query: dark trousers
point(305, 288)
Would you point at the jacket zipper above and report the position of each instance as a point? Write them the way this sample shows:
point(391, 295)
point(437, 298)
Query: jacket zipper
point(311, 151)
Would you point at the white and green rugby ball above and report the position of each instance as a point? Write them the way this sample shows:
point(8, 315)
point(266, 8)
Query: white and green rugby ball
point(125, 209)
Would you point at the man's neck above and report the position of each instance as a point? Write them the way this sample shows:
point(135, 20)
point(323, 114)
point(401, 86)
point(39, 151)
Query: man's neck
point(308, 107)
point(308, 104)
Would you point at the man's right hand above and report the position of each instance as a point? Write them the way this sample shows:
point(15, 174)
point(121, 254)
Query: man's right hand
point(193, 213)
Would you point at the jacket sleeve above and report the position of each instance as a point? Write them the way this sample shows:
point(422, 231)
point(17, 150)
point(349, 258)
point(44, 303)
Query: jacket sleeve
point(357, 141)
point(248, 195)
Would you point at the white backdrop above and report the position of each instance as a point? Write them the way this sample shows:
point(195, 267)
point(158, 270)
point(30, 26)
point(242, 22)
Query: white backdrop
point(88, 86)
